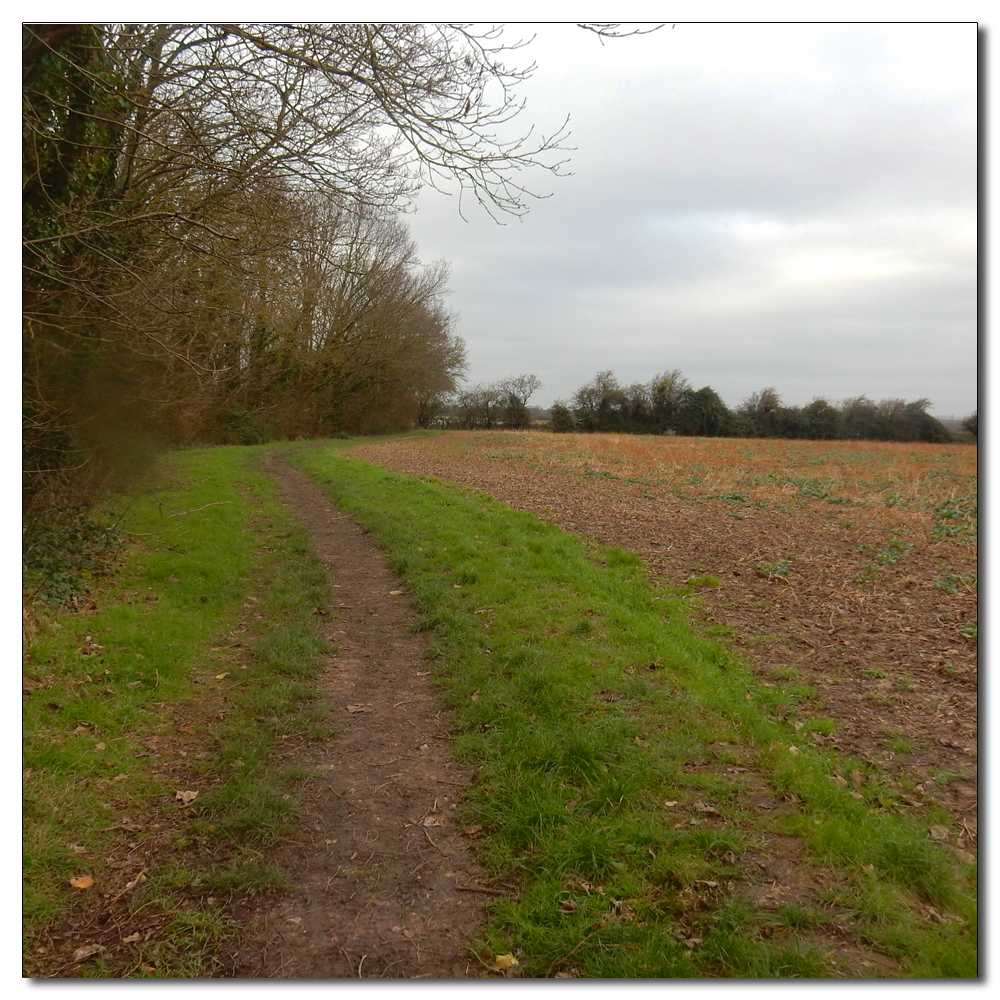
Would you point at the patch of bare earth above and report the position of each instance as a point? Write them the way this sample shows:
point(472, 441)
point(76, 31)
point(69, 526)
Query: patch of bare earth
point(884, 650)
point(383, 883)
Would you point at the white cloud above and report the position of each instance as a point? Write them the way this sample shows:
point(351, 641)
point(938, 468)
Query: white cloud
point(790, 205)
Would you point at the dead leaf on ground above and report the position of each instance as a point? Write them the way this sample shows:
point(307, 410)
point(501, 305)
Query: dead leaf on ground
point(940, 833)
point(221, 677)
point(358, 709)
point(504, 962)
point(82, 881)
point(567, 906)
point(87, 951)
point(132, 938)
point(622, 910)
point(474, 830)
point(433, 819)
point(185, 798)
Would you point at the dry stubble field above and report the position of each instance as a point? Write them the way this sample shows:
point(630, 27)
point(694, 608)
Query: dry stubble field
point(849, 567)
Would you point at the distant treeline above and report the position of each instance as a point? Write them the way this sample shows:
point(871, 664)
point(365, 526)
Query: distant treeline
point(669, 404)
point(501, 405)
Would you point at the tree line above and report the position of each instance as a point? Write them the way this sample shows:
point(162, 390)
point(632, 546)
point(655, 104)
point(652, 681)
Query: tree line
point(213, 249)
point(486, 406)
point(669, 404)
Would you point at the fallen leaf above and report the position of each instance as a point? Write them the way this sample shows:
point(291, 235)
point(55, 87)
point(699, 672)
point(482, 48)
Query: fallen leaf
point(639, 742)
point(793, 749)
point(82, 881)
point(132, 938)
point(503, 962)
point(423, 673)
point(99, 746)
point(704, 807)
point(433, 819)
point(964, 856)
point(185, 798)
point(474, 830)
point(567, 906)
point(707, 883)
point(173, 579)
point(357, 709)
point(670, 804)
point(565, 975)
point(221, 677)
point(88, 950)
point(622, 910)
point(394, 593)
point(940, 833)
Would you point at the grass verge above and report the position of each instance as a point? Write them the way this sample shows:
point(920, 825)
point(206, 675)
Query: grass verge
point(640, 784)
point(180, 678)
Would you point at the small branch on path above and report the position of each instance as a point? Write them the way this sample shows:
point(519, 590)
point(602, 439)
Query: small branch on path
point(194, 510)
point(433, 844)
point(476, 888)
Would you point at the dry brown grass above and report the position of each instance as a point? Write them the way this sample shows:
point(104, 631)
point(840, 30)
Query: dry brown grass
point(898, 477)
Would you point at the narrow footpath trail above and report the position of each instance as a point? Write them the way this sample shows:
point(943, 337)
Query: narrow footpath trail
point(383, 880)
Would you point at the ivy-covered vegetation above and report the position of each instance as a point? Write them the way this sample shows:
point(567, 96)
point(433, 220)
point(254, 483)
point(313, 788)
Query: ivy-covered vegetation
point(213, 243)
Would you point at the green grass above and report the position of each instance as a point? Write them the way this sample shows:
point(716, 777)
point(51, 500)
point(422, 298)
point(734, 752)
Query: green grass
point(618, 751)
point(601, 724)
point(207, 640)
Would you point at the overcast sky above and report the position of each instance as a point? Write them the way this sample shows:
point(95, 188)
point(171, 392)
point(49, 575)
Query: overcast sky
point(754, 204)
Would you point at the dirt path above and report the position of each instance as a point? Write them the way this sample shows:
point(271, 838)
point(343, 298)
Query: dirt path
point(383, 881)
point(901, 684)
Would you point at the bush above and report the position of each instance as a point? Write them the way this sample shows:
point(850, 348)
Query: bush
point(64, 550)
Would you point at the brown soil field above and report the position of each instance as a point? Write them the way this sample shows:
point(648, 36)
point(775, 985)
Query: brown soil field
point(849, 567)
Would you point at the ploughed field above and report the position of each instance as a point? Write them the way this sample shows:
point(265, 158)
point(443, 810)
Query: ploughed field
point(846, 567)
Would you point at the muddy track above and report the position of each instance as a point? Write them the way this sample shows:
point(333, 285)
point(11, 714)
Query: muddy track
point(383, 883)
